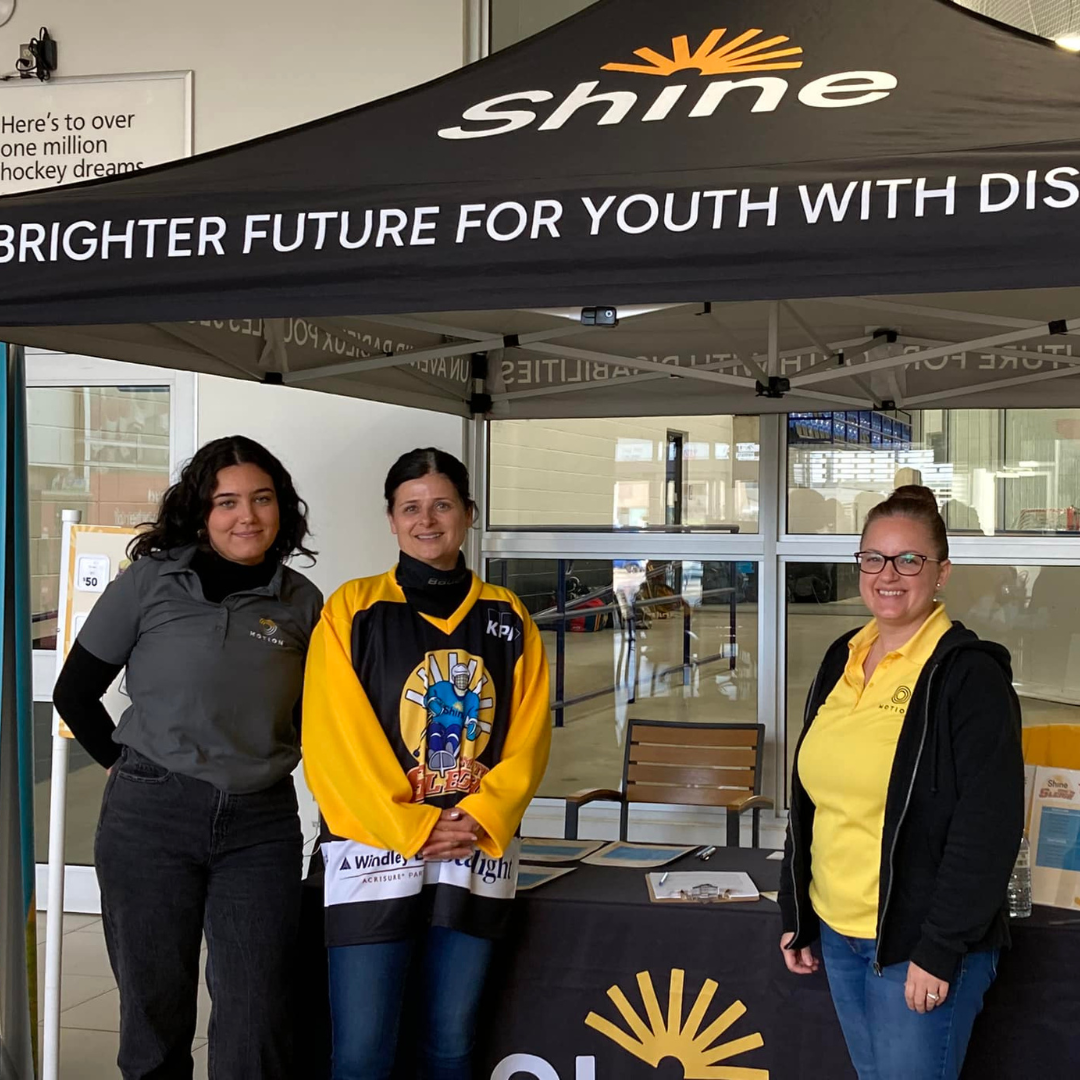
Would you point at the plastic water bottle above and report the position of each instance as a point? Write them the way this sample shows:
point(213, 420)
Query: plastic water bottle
point(1020, 883)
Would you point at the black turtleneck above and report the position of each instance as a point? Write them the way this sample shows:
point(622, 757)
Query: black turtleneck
point(221, 577)
point(434, 592)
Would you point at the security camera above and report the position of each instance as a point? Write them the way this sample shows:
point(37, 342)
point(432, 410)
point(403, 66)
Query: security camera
point(599, 316)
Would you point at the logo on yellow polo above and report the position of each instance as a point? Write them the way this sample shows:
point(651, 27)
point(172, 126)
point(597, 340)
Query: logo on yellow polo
point(902, 695)
point(713, 56)
point(653, 1037)
point(447, 708)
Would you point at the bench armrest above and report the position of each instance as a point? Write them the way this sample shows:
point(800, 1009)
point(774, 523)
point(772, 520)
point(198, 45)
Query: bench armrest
point(588, 795)
point(752, 802)
point(578, 799)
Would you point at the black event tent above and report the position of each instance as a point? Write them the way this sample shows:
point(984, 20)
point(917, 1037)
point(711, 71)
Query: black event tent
point(772, 195)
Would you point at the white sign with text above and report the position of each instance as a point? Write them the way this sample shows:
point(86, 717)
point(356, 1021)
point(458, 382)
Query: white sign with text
point(67, 131)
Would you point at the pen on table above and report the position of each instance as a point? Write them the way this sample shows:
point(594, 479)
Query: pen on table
point(707, 853)
point(663, 877)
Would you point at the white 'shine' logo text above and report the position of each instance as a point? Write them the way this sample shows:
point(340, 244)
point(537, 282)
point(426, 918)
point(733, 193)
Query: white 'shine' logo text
point(740, 56)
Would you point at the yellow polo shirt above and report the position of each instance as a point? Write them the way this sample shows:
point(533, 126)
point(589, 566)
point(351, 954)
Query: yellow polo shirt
point(845, 764)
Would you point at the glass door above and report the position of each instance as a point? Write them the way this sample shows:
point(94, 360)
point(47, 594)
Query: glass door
point(105, 439)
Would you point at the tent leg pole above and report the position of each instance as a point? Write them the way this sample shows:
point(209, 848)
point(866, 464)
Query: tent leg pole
point(54, 919)
point(54, 908)
point(475, 438)
point(774, 338)
point(560, 640)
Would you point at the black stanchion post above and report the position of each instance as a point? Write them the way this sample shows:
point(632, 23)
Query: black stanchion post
point(560, 641)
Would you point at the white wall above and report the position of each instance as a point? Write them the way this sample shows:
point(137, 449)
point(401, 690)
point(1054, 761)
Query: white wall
point(338, 451)
point(260, 65)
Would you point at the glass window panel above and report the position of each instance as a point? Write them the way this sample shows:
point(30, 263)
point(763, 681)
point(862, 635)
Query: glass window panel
point(514, 20)
point(103, 450)
point(655, 640)
point(86, 785)
point(619, 473)
point(998, 472)
point(1029, 609)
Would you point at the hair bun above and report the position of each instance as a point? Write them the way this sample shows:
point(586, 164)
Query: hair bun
point(915, 493)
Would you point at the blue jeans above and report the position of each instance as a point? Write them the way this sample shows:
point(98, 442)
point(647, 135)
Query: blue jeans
point(368, 986)
point(886, 1040)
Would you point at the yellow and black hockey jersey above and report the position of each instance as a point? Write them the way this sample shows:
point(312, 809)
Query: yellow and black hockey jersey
point(406, 714)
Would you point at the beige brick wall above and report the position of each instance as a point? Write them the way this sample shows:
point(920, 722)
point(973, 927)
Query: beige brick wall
point(611, 471)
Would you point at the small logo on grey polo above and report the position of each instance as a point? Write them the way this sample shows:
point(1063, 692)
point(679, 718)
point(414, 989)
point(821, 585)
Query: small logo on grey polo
point(269, 632)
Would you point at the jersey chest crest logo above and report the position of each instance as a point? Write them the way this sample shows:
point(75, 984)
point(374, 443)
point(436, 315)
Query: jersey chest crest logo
point(447, 709)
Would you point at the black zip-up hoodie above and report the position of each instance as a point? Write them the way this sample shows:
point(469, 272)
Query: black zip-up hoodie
point(954, 813)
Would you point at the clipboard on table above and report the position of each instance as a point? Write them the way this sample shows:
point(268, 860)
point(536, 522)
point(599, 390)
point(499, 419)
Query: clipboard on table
point(702, 887)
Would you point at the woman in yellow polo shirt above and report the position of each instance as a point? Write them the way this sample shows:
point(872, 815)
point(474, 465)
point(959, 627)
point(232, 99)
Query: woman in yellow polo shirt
point(907, 810)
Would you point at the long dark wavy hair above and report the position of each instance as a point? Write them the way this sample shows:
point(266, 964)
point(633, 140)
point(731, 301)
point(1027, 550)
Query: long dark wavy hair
point(186, 505)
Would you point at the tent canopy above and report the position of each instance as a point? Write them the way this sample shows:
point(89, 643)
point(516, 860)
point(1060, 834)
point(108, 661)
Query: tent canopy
point(764, 190)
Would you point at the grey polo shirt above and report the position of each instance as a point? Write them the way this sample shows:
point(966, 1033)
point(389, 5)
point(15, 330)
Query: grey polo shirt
point(212, 686)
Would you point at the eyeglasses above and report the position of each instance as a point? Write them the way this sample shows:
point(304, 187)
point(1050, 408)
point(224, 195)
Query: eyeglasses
point(907, 563)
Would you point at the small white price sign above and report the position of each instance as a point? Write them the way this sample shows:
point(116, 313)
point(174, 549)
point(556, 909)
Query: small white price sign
point(92, 573)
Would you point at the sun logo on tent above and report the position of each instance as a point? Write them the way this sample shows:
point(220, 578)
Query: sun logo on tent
point(697, 1051)
point(736, 57)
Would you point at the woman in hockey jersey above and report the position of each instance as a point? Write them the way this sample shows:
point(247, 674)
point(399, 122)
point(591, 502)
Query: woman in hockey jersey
point(426, 734)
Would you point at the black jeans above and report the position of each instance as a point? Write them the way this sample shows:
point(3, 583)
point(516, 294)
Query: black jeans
point(176, 858)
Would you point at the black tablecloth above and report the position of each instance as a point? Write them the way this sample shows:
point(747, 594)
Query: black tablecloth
point(595, 929)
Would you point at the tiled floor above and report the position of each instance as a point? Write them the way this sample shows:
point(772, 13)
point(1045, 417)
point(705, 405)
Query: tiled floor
point(90, 1004)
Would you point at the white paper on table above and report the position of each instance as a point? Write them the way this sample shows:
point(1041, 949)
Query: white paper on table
point(534, 849)
point(735, 884)
point(774, 897)
point(531, 877)
point(776, 856)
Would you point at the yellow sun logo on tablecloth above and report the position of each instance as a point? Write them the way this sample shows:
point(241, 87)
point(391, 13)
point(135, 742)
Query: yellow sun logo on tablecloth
point(738, 56)
point(655, 1038)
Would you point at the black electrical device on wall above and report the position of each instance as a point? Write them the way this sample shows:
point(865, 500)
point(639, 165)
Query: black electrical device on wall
point(38, 57)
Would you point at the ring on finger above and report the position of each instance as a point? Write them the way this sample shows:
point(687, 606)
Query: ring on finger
point(933, 997)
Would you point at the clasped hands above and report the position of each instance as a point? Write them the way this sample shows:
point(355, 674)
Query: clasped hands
point(454, 836)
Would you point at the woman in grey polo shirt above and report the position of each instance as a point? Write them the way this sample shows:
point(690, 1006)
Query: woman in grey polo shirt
point(199, 831)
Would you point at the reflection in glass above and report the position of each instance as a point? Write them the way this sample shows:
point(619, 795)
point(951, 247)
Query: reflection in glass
point(649, 639)
point(625, 473)
point(1031, 610)
point(86, 784)
point(993, 471)
point(103, 450)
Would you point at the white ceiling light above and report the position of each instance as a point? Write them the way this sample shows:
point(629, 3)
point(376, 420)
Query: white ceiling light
point(1069, 41)
point(7, 9)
